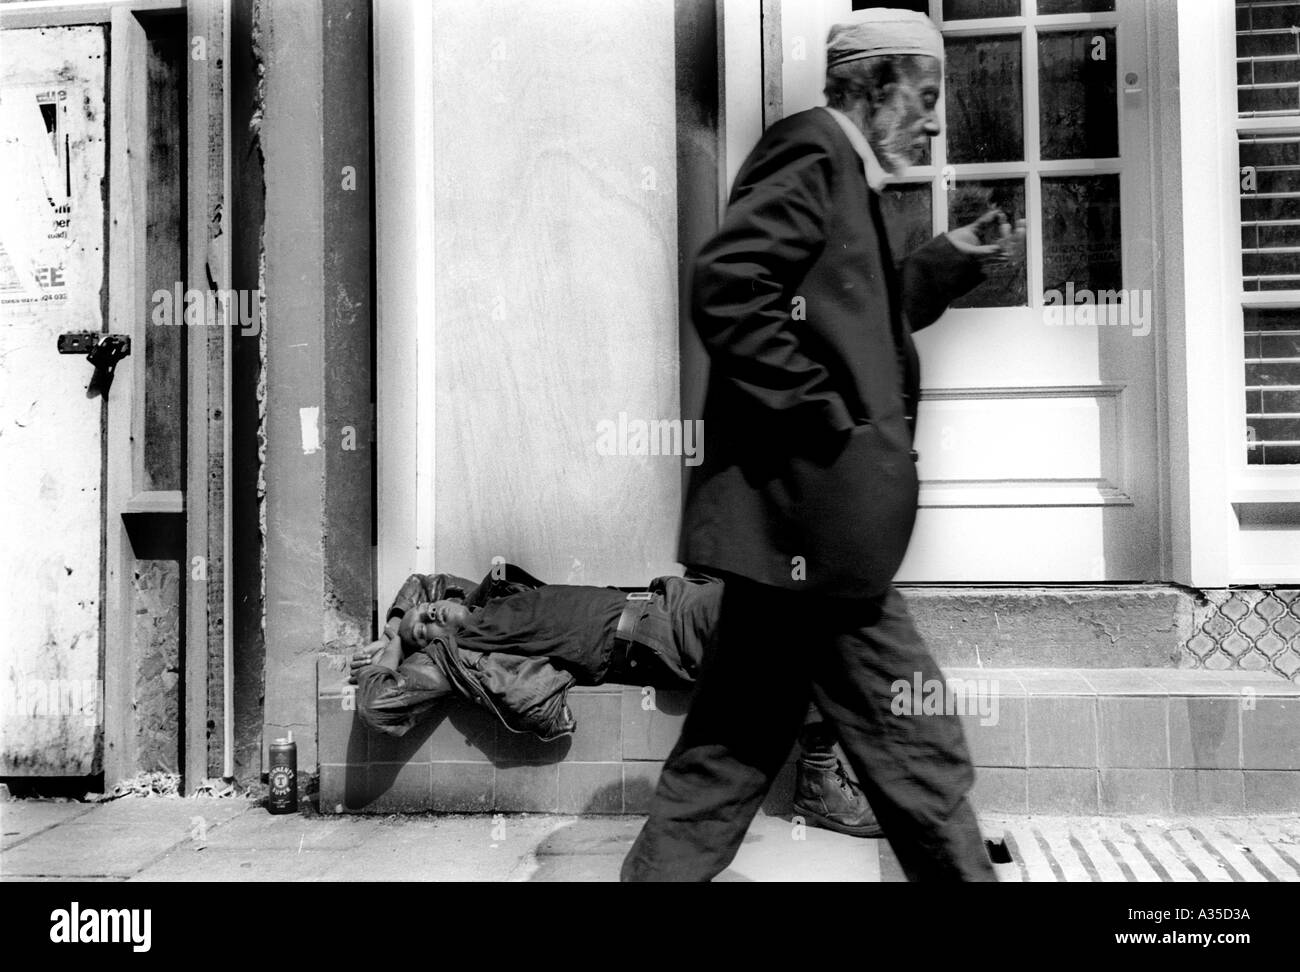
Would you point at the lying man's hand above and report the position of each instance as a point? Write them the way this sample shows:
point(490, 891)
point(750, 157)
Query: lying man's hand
point(364, 656)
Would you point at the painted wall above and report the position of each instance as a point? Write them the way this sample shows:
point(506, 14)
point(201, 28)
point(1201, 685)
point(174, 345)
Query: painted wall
point(315, 282)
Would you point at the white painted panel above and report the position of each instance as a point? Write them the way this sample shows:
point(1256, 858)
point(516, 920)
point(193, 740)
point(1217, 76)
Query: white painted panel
point(1036, 436)
point(402, 244)
point(1018, 543)
point(804, 25)
point(996, 343)
point(1266, 553)
point(742, 87)
point(51, 273)
point(555, 270)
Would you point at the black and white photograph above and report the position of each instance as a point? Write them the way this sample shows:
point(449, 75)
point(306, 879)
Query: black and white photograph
point(492, 442)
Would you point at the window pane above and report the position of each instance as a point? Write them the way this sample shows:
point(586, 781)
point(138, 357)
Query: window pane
point(970, 9)
point(1272, 343)
point(1268, 80)
point(1081, 234)
point(969, 200)
point(1270, 211)
point(907, 211)
point(1077, 115)
point(984, 95)
point(1047, 7)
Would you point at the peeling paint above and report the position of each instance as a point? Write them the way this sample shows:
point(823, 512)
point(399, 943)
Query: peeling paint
point(309, 425)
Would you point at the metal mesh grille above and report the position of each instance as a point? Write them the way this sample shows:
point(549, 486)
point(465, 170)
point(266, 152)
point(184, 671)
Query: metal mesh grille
point(1250, 630)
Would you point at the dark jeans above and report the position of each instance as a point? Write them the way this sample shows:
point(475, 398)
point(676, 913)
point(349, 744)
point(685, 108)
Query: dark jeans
point(776, 651)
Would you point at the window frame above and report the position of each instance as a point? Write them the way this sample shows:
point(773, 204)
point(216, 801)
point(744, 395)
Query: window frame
point(1031, 169)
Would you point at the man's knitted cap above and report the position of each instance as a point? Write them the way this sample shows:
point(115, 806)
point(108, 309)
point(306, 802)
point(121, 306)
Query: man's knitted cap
point(883, 31)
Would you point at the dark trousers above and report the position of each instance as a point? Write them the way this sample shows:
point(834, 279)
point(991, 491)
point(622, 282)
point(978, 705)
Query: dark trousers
point(776, 651)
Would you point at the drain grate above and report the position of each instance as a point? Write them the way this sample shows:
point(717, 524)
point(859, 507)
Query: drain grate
point(997, 850)
point(1149, 849)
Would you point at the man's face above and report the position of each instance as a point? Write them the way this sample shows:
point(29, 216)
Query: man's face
point(450, 614)
point(423, 622)
point(902, 125)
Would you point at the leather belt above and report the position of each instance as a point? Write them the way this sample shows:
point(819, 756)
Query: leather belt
point(624, 636)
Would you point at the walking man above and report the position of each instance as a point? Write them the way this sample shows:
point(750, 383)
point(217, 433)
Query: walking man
point(806, 499)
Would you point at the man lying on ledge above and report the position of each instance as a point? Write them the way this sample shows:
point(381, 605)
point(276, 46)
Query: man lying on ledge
point(515, 646)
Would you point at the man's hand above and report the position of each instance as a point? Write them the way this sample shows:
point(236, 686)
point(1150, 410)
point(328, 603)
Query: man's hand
point(992, 240)
point(364, 656)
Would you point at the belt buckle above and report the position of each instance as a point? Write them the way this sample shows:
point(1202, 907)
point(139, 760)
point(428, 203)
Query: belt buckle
point(640, 595)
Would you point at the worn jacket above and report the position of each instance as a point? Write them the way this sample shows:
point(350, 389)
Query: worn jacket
point(809, 478)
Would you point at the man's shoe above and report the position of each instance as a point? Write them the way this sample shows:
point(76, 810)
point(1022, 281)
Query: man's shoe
point(828, 799)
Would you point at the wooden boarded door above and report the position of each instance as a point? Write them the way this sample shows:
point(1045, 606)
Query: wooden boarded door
point(555, 275)
point(52, 153)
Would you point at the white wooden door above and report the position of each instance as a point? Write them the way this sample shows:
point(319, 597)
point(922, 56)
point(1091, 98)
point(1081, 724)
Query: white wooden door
point(52, 153)
point(1038, 430)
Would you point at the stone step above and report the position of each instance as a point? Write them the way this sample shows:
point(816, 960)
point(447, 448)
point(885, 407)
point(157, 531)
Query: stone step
point(1133, 626)
point(1043, 740)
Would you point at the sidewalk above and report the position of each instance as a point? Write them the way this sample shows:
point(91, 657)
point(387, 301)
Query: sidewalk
point(161, 839)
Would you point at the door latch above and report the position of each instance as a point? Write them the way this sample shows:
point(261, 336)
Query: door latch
point(78, 342)
point(99, 349)
point(109, 351)
point(103, 351)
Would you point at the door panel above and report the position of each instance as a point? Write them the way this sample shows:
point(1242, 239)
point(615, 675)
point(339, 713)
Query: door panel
point(52, 153)
point(1037, 429)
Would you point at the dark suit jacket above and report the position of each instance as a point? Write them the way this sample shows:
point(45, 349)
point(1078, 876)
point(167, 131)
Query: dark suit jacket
point(809, 416)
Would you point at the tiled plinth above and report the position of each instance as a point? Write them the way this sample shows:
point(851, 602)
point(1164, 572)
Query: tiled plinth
point(1134, 740)
point(463, 760)
point(1056, 741)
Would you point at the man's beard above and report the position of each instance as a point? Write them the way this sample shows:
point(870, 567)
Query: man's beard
point(895, 147)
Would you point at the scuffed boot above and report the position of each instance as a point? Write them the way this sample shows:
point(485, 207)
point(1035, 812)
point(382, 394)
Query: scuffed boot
point(827, 798)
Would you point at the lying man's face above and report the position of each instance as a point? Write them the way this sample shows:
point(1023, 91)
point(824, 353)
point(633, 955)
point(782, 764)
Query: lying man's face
point(450, 614)
point(424, 622)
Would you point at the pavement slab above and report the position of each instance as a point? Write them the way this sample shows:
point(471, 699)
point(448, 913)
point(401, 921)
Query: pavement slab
point(206, 863)
point(780, 850)
point(263, 831)
point(483, 847)
point(583, 849)
point(113, 840)
point(161, 839)
point(21, 819)
point(88, 850)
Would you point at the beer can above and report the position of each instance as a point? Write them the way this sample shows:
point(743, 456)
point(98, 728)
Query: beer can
point(283, 777)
